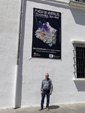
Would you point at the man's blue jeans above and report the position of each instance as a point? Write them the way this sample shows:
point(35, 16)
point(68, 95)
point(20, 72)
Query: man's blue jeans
point(45, 93)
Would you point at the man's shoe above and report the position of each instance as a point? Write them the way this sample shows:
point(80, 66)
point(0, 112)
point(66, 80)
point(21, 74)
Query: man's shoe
point(40, 109)
point(47, 109)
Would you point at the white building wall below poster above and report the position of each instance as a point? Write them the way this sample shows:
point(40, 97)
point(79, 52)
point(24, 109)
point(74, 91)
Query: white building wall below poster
point(61, 71)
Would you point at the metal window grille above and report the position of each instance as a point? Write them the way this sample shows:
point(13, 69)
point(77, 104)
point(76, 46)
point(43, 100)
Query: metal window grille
point(79, 60)
point(80, 0)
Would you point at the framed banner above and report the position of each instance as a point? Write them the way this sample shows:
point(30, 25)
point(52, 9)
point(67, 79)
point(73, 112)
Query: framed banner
point(46, 40)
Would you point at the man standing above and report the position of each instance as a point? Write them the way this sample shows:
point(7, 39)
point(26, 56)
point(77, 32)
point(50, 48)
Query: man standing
point(46, 90)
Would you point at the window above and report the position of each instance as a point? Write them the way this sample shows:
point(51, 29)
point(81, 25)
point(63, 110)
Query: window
point(80, 0)
point(79, 60)
point(77, 3)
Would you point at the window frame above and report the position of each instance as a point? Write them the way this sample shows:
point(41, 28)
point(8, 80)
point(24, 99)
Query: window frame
point(80, 1)
point(77, 4)
point(76, 43)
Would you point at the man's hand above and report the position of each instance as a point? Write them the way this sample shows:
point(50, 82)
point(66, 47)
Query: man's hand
point(41, 92)
point(50, 92)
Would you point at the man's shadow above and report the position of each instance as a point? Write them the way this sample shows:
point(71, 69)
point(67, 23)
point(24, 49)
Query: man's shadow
point(54, 107)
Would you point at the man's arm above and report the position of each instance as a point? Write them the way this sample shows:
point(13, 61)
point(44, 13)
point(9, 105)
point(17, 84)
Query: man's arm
point(51, 87)
point(41, 87)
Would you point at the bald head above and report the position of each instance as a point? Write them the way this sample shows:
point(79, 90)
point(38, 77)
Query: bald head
point(46, 76)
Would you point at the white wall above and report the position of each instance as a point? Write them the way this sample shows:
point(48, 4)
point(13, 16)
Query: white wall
point(62, 0)
point(9, 30)
point(61, 71)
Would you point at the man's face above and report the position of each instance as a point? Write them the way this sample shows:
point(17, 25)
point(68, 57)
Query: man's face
point(46, 76)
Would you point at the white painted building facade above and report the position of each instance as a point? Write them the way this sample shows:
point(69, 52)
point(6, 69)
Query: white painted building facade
point(21, 76)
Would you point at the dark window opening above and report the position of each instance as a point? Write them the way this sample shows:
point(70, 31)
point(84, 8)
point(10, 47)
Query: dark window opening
point(80, 0)
point(80, 62)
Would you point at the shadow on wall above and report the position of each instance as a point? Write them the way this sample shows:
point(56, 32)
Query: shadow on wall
point(79, 16)
point(18, 95)
point(80, 85)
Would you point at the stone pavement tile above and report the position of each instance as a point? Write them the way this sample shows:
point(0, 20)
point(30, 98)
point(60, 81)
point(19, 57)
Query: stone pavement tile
point(80, 108)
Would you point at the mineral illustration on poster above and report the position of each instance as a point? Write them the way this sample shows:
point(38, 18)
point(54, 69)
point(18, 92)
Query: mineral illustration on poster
point(46, 33)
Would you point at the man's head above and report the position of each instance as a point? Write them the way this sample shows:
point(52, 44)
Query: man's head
point(46, 76)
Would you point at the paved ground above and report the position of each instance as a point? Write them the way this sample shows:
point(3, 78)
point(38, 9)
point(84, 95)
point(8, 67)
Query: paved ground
point(71, 108)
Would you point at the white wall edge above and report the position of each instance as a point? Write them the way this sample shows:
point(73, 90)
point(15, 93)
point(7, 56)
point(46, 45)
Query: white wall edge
point(78, 41)
point(56, 104)
point(69, 4)
point(56, 2)
point(78, 79)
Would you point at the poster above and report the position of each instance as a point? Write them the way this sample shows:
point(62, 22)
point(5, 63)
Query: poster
point(46, 40)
